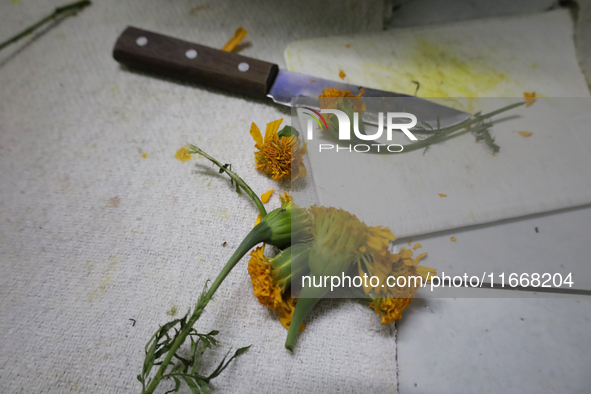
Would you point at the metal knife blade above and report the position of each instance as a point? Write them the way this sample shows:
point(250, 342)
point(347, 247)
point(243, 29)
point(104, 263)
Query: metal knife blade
point(288, 85)
point(239, 74)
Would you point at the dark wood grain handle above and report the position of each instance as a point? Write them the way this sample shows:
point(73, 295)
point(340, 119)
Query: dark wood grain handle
point(193, 62)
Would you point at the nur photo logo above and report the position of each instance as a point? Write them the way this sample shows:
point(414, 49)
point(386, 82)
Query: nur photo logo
point(392, 122)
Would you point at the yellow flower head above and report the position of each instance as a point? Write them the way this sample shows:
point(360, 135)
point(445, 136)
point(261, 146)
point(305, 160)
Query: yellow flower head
point(280, 157)
point(271, 277)
point(340, 239)
point(389, 301)
point(265, 289)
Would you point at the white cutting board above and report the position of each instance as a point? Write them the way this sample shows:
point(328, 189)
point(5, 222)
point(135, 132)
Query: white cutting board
point(485, 58)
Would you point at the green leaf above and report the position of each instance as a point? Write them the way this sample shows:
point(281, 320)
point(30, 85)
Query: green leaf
point(203, 385)
point(287, 131)
point(191, 383)
point(177, 384)
point(223, 366)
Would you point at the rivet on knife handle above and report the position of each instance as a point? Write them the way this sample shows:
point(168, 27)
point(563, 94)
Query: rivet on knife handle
point(193, 62)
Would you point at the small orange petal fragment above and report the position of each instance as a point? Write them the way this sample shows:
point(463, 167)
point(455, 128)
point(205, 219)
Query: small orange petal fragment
point(524, 133)
point(530, 98)
point(234, 41)
point(144, 155)
point(442, 195)
point(342, 74)
point(417, 246)
point(453, 239)
point(265, 196)
point(258, 220)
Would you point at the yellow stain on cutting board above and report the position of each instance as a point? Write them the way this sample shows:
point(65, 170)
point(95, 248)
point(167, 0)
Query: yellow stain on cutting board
point(441, 71)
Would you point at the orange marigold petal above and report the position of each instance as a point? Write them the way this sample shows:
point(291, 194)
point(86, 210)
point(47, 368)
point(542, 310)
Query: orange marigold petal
point(286, 313)
point(234, 41)
point(530, 98)
point(390, 308)
point(524, 133)
point(265, 196)
point(271, 131)
point(258, 219)
point(255, 132)
point(285, 198)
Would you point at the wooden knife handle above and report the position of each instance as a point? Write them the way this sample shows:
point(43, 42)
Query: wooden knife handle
point(193, 62)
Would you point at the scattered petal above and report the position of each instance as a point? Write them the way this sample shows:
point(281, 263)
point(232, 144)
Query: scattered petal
point(183, 154)
point(258, 220)
point(530, 98)
point(453, 239)
point(234, 41)
point(342, 74)
point(417, 246)
point(442, 195)
point(144, 155)
point(524, 133)
point(265, 196)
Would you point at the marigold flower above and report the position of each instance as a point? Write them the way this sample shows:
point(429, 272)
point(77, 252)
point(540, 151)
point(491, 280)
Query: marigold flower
point(280, 157)
point(340, 239)
point(271, 277)
point(390, 301)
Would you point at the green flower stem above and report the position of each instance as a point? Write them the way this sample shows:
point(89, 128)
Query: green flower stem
point(444, 134)
point(308, 297)
point(194, 149)
point(256, 235)
point(63, 11)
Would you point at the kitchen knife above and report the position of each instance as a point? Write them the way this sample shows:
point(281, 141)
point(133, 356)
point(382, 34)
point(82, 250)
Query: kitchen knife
point(239, 74)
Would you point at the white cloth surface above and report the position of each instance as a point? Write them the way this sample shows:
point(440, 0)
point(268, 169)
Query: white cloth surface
point(92, 234)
